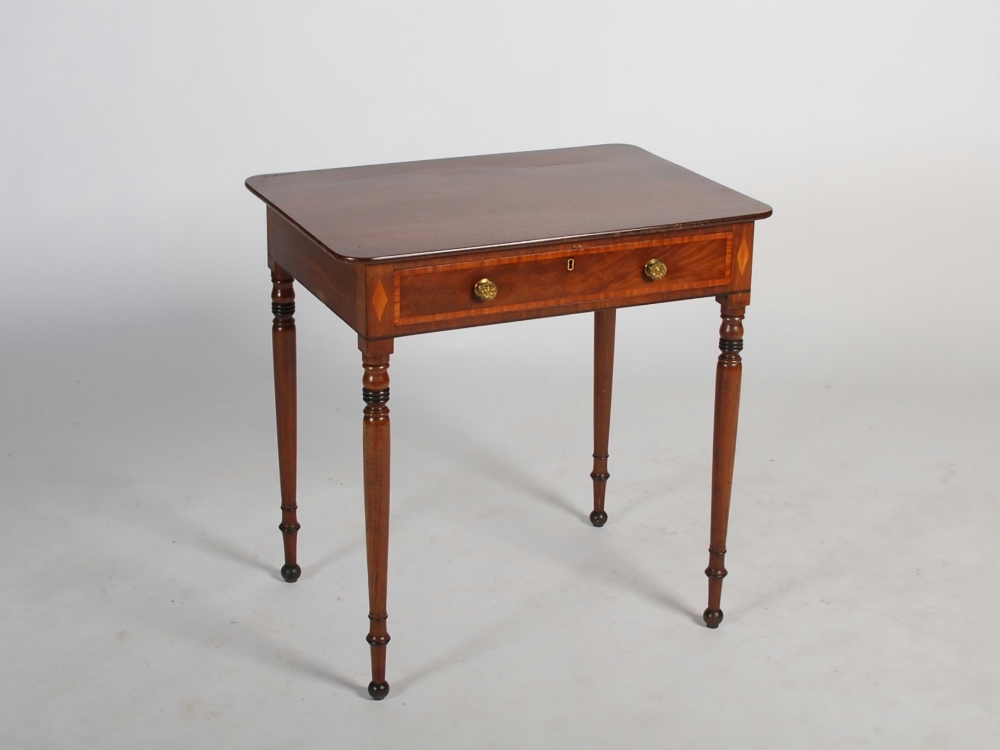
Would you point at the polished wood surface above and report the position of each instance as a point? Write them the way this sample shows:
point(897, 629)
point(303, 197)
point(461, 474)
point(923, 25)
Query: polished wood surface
point(400, 249)
point(405, 297)
point(391, 211)
point(338, 285)
point(577, 274)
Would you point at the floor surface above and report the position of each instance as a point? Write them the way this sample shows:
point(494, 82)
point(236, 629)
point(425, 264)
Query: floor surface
point(142, 605)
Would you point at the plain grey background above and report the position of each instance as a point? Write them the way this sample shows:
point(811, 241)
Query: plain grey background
point(137, 467)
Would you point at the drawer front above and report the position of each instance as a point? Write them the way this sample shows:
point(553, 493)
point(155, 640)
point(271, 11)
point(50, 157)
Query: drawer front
point(574, 274)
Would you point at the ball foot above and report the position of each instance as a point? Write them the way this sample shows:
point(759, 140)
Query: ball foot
point(598, 518)
point(291, 573)
point(378, 690)
point(712, 618)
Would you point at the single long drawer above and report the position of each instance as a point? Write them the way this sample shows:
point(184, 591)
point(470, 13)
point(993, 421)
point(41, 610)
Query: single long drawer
point(564, 276)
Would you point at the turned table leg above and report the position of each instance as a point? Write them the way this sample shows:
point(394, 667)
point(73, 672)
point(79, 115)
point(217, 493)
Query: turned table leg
point(283, 345)
point(727, 406)
point(604, 361)
point(375, 391)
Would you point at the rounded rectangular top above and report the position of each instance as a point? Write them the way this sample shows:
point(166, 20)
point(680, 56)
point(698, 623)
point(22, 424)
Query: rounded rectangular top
point(502, 200)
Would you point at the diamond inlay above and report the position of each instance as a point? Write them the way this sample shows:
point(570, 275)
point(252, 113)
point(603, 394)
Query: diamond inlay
point(379, 299)
point(743, 256)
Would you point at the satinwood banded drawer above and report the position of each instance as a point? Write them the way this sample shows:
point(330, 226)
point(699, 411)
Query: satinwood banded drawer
point(569, 274)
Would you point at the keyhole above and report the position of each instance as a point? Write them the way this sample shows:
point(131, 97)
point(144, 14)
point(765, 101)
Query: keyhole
point(570, 264)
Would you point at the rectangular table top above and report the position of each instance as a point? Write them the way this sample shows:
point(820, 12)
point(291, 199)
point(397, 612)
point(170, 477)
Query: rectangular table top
point(422, 208)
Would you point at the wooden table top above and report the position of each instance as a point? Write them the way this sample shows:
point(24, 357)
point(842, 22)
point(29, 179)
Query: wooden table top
point(421, 208)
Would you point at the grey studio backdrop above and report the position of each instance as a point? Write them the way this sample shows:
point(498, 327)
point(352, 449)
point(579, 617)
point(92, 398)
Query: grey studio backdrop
point(140, 596)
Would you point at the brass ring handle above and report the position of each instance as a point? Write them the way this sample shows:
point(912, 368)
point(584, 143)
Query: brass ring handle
point(655, 269)
point(485, 290)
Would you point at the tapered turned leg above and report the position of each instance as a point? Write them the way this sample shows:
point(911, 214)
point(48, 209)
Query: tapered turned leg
point(375, 391)
point(604, 361)
point(283, 344)
point(727, 405)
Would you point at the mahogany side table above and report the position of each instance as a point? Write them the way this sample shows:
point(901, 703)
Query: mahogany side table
point(400, 249)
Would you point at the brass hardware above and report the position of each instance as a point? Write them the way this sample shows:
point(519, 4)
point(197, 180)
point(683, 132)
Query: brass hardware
point(570, 264)
point(655, 269)
point(485, 290)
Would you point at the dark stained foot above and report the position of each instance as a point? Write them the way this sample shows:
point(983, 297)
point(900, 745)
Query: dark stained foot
point(598, 518)
point(712, 618)
point(378, 690)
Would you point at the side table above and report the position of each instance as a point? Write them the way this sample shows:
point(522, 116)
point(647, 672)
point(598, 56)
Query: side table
point(401, 249)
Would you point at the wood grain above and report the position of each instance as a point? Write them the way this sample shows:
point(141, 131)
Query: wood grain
point(444, 292)
point(337, 284)
point(353, 290)
point(409, 209)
